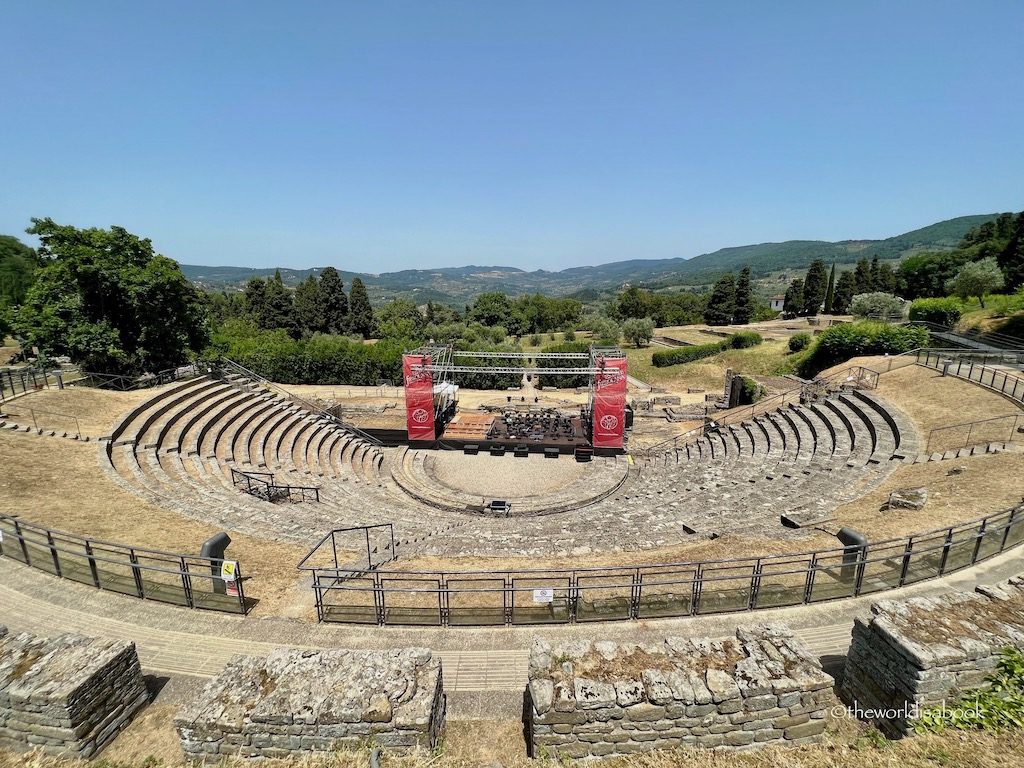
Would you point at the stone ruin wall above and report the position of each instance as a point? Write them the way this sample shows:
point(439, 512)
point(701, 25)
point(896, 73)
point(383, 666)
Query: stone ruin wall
point(595, 699)
point(67, 695)
point(926, 651)
point(296, 702)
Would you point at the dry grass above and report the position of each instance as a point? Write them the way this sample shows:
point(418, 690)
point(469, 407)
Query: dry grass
point(475, 743)
point(97, 410)
point(57, 483)
point(933, 400)
point(989, 483)
point(772, 358)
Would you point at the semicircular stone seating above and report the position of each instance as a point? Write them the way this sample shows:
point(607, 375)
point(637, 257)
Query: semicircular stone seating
point(178, 449)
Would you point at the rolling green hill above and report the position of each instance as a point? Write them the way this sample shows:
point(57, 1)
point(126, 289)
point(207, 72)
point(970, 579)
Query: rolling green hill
point(459, 285)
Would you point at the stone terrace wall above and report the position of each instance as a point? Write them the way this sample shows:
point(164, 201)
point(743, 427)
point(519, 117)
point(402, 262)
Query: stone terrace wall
point(67, 695)
point(923, 651)
point(295, 702)
point(592, 699)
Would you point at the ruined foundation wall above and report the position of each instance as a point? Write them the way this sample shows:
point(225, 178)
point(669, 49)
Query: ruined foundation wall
point(67, 695)
point(926, 651)
point(295, 702)
point(593, 699)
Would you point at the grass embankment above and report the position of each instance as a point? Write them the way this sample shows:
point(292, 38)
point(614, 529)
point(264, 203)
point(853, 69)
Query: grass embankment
point(150, 741)
point(56, 483)
point(1002, 313)
point(771, 358)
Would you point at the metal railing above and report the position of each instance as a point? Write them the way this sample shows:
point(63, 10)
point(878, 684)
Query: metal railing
point(18, 381)
point(1001, 380)
point(40, 416)
point(150, 574)
point(123, 383)
point(262, 485)
point(971, 336)
point(610, 593)
point(998, 429)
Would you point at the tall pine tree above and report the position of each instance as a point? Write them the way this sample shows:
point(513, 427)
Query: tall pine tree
point(307, 307)
point(846, 287)
point(722, 303)
point(794, 301)
point(862, 278)
point(333, 302)
point(815, 285)
point(744, 304)
point(360, 311)
point(830, 292)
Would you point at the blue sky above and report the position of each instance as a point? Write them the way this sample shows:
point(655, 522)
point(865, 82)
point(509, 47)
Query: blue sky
point(377, 136)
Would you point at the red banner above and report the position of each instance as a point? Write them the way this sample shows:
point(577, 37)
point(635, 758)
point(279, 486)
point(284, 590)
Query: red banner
point(419, 398)
point(610, 403)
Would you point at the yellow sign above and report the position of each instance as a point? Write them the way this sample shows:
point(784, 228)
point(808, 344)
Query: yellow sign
point(227, 570)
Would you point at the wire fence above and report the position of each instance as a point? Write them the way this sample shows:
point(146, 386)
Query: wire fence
point(44, 419)
point(150, 574)
point(615, 593)
point(998, 429)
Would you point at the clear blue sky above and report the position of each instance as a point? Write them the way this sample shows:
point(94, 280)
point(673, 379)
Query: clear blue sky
point(377, 136)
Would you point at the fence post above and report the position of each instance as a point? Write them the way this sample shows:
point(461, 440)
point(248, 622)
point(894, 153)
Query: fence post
point(809, 582)
point(186, 583)
point(696, 589)
point(53, 553)
point(92, 564)
point(21, 538)
point(908, 552)
point(755, 585)
point(978, 539)
point(136, 573)
point(1006, 530)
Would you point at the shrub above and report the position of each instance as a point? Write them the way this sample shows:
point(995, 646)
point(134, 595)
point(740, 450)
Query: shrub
point(841, 342)
point(664, 358)
point(877, 304)
point(750, 391)
point(535, 340)
point(799, 342)
point(565, 379)
point(942, 311)
point(570, 335)
point(745, 339)
point(998, 707)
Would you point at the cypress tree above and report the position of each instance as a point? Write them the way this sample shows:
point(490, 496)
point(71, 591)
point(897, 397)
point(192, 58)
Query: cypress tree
point(845, 289)
point(830, 293)
point(360, 311)
point(862, 278)
point(815, 285)
point(794, 301)
point(333, 302)
point(308, 312)
point(744, 303)
point(722, 303)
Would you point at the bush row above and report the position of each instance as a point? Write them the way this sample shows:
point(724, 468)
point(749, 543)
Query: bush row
point(741, 340)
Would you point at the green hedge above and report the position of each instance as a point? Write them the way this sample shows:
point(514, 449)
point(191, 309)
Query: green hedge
point(741, 340)
point(564, 380)
point(942, 311)
point(799, 342)
point(839, 343)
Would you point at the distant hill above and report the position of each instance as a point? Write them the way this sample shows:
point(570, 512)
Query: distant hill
point(459, 285)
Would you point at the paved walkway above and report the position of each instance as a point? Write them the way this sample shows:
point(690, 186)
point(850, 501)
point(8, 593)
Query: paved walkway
point(178, 641)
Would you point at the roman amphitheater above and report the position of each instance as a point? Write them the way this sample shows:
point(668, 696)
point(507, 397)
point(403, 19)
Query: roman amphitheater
point(885, 477)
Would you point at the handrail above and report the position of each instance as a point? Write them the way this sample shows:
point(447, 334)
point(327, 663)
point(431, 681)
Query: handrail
point(798, 576)
point(241, 370)
point(971, 425)
point(61, 560)
point(35, 423)
point(257, 484)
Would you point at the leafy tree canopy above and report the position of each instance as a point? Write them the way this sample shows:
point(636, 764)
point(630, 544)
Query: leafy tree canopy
point(104, 298)
point(977, 278)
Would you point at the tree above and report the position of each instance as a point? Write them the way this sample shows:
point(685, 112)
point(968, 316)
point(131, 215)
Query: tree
point(279, 310)
point(492, 308)
point(977, 279)
point(359, 309)
point(793, 303)
point(604, 329)
point(633, 303)
point(638, 330)
point(846, 287)
point(104, 298)
point(722, 303)
point(400, 319)
point(256, 300)
point(308, 313)
point(874, 275)
point(862, 277)
point(815, 286)
point(18, 264)
point(1011, 258)
point(743, 309)
point(333, 302)
point(830, 292)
